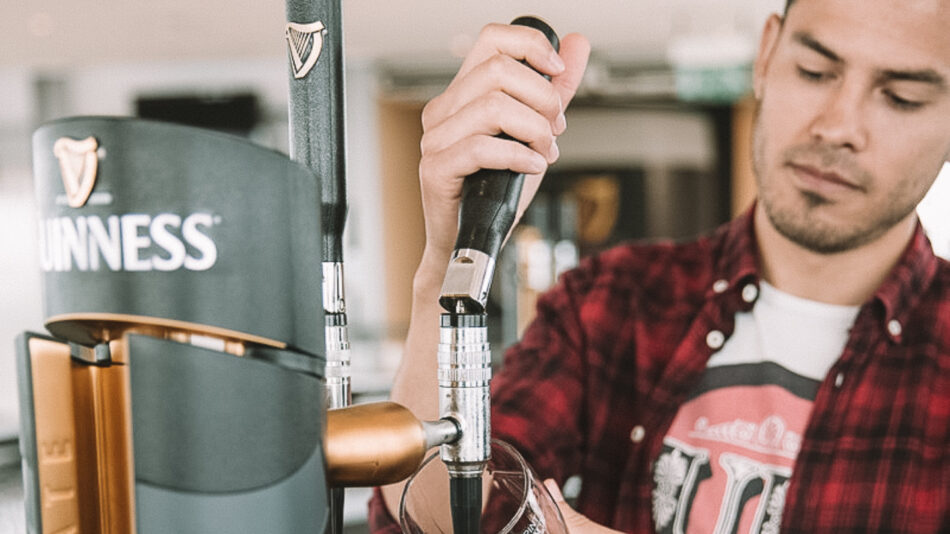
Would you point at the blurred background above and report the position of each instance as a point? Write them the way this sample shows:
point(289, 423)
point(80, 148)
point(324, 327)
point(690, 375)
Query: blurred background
point(657, 145)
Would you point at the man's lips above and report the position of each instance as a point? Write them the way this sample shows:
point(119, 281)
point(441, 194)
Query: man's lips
point(823, 179)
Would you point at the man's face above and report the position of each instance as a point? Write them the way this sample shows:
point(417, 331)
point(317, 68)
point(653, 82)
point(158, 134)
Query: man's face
point(853, 123)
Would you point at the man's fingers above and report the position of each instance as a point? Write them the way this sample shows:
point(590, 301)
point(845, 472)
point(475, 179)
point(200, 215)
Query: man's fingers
point(497, 74)
point(495, 64)
point(575, 50)
point(555, 491)
point(519, 42)
point(492, 114)
point(576, 523)
point(494, 92)
point(480, 152)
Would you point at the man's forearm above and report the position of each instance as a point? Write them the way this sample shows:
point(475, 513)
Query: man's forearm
point(416, 384)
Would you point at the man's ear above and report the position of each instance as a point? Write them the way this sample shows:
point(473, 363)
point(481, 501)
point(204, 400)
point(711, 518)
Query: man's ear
point(767, 46)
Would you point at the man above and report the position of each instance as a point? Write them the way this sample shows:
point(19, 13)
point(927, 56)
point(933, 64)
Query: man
point(792, 369)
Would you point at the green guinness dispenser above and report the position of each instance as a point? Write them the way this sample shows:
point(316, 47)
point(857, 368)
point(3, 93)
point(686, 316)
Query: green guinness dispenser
point(182, 389)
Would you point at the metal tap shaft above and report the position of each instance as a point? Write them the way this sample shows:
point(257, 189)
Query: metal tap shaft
point(339, 389)
point(464, 395)
point(465, 398)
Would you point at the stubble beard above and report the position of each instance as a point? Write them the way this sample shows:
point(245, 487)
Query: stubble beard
point(796, 217)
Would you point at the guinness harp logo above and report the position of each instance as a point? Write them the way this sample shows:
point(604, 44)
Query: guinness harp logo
point(78, 164)
point(305, 42)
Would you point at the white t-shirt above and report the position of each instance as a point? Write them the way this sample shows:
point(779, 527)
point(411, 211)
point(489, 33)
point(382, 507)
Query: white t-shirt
point(729, 454)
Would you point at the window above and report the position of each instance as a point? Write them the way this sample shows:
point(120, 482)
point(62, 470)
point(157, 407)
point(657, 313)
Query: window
point(934, 211)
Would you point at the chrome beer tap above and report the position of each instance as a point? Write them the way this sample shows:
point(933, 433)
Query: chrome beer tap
point(487, 212)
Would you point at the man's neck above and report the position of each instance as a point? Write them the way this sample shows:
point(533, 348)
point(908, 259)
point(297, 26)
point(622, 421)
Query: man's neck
point(846, 278)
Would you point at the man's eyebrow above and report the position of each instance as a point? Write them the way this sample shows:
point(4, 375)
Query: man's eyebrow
point(928, 76)
point(806, 39)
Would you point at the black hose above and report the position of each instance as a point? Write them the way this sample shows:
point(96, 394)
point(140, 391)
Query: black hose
point(466, 496)
point(336, 510)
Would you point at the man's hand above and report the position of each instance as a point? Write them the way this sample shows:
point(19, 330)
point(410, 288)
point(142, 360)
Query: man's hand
point(576, 523)
point(492, 93)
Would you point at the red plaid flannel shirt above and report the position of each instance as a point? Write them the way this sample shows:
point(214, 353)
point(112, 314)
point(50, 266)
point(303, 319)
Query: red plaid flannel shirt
point(622, 341)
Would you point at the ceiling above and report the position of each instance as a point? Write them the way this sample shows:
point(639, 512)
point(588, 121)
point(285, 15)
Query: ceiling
point(55, 34)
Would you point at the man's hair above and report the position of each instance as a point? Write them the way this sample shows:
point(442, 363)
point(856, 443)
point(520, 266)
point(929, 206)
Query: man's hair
point(788, 4)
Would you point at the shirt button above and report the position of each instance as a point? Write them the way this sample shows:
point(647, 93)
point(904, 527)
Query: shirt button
point(721, 286)
point(750, 293)
point(715, 339)
point(839, 380)
point(894, 327)
point(637, 434)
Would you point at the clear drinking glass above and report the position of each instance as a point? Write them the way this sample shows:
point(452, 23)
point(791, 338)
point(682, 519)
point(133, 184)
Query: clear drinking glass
point(514, 500)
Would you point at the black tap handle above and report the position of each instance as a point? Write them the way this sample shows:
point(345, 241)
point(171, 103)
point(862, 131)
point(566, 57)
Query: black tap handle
point(489, 196)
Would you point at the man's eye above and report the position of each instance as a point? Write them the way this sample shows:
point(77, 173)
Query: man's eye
point(902, 103)
point(812, 75)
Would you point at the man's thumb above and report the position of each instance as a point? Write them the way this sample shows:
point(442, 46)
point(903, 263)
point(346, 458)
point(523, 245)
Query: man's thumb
point(575, 522)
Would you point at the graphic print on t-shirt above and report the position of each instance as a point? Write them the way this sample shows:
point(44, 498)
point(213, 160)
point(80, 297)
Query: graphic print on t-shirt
point(729, 454)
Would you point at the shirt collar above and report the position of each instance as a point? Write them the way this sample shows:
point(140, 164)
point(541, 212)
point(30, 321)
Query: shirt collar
point(738, 261)
point(909, 279)
point(899, 293)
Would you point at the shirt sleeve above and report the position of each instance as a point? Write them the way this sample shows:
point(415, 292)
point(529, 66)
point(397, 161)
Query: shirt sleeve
point(538, 395)
point(380, 520)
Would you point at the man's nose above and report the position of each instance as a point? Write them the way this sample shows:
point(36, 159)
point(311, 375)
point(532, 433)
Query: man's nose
point(841, 120)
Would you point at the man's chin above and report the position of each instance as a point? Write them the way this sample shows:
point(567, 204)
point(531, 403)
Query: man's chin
point(821, 242)
point(812, 229)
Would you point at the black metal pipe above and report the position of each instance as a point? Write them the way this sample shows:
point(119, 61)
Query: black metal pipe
point(314, 35)
point(315, 51)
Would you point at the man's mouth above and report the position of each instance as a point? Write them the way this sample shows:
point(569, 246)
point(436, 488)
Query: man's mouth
point(823, 180)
